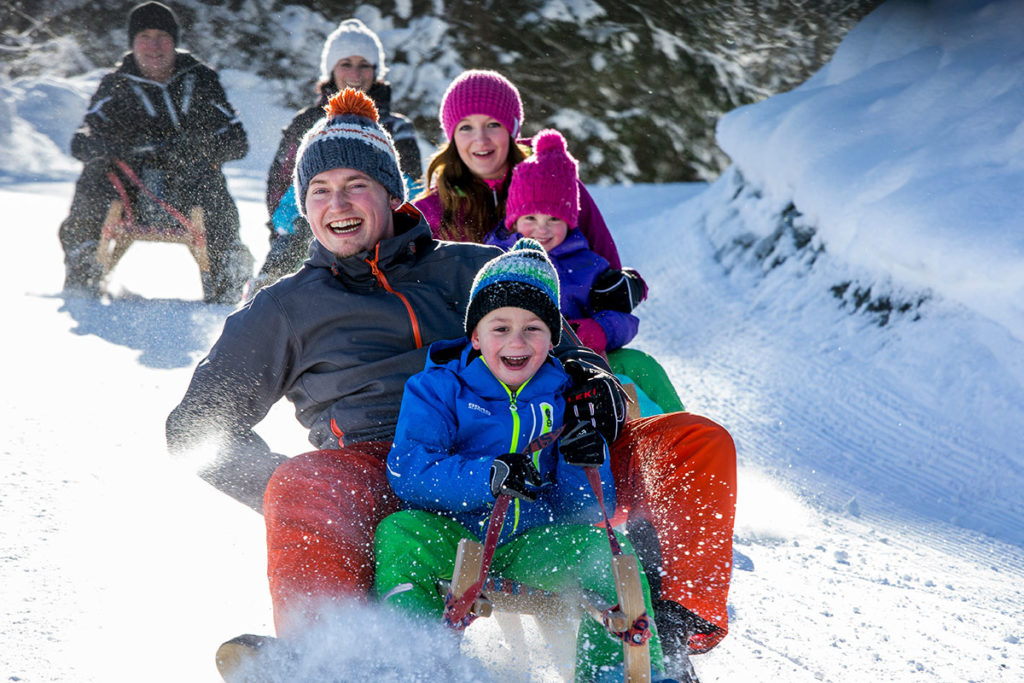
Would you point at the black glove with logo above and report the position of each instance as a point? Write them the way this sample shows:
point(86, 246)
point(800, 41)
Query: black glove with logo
point(513, 474)
point(595, 397)
point(617, 290)
point(583, 445)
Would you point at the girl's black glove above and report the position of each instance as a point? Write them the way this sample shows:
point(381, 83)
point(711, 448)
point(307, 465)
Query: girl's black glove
point(617, 290)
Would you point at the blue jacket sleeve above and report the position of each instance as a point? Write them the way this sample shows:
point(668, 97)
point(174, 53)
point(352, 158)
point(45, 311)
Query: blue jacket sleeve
point(423, 467)
point(572, 498)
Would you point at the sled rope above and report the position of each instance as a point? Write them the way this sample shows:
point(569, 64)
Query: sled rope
point(456, 610)
point(594, 477)
point(130, 174)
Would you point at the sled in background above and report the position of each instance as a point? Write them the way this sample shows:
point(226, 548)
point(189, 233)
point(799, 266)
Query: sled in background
point(150, 218)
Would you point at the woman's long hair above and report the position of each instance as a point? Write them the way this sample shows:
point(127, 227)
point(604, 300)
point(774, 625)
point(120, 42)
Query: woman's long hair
point(468, 209)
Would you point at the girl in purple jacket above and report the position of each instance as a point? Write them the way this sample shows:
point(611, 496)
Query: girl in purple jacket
point(544, 204)
point(468, 178)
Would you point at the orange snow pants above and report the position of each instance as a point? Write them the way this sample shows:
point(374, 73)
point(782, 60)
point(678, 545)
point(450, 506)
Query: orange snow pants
point(322, 509)
point(677, 470)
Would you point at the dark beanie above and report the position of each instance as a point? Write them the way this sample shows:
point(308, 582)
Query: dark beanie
point(152, 15)
point(523, 277)
point(350, 136)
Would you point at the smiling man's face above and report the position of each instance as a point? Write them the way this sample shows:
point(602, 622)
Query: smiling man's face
point(349, 211)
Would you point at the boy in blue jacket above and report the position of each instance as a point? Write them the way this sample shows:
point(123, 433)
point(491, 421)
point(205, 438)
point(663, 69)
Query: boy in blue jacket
point(463, 422)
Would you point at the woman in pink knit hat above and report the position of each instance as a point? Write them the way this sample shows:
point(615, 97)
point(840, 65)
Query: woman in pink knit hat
point(468, 178)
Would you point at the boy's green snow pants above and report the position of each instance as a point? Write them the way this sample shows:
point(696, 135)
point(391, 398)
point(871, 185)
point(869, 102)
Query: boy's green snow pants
point(418, 548)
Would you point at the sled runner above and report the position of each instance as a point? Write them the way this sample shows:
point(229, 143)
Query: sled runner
point(150, 218)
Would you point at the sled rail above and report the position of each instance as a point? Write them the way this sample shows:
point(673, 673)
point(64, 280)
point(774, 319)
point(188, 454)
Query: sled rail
point(124, 225)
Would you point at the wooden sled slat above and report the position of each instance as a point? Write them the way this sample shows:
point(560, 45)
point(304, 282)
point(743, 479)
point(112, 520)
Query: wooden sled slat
point(119, 233)
point(637, 658)
point(468, 560)
point(633, 404)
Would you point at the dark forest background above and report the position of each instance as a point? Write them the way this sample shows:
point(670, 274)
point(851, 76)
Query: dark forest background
point(635, 85)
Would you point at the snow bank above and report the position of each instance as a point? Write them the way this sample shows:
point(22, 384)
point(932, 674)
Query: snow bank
point(906, 151)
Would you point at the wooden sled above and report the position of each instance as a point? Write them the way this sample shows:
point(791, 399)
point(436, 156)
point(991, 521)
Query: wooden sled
point(123, 226)
point(120, 231)
point(502, 595)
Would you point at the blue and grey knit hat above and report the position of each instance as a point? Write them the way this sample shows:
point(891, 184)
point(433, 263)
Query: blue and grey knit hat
point(522, 277)
point(348, 137)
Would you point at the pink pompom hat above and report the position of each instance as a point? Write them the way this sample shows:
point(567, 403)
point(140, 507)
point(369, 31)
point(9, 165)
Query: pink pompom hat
point(546, 182)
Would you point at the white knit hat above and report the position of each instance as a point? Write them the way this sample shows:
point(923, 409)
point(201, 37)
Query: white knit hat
point(352, 37)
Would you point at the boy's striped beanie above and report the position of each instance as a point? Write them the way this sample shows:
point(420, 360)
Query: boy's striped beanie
point(348, 137)
point(522, 277)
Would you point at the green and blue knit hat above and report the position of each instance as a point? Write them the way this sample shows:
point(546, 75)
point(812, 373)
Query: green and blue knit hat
point(522, 277)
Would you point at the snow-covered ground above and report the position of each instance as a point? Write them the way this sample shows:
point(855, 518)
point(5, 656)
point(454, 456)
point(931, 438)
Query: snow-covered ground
point(880, 529)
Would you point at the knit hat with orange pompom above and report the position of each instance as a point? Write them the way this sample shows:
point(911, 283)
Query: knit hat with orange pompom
point(349, 137)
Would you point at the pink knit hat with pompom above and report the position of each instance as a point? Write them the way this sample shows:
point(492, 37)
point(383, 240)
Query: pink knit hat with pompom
point(545, 183)
point(479, 91)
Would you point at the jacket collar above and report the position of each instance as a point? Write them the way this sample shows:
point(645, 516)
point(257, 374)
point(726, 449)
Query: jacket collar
point(459, 356)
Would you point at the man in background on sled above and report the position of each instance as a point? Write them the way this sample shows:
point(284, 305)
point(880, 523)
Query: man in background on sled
point(164, 114)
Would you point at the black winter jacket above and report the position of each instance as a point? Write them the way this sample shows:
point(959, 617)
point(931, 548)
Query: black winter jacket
point(184, 122)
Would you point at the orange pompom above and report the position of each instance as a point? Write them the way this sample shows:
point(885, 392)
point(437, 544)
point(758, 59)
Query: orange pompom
point(351, 101)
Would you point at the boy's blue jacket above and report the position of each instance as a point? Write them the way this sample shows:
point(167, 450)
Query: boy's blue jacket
point(457, 417)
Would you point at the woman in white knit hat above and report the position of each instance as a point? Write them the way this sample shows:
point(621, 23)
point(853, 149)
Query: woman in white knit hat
point(352, 57)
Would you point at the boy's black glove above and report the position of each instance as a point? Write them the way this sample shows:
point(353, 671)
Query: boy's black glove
point(513, 474)
point(596, 398)
point(583, 446)
point(617, 290)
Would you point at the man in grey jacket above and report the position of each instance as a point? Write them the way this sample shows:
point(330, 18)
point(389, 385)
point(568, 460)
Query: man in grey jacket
point(341, 336)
